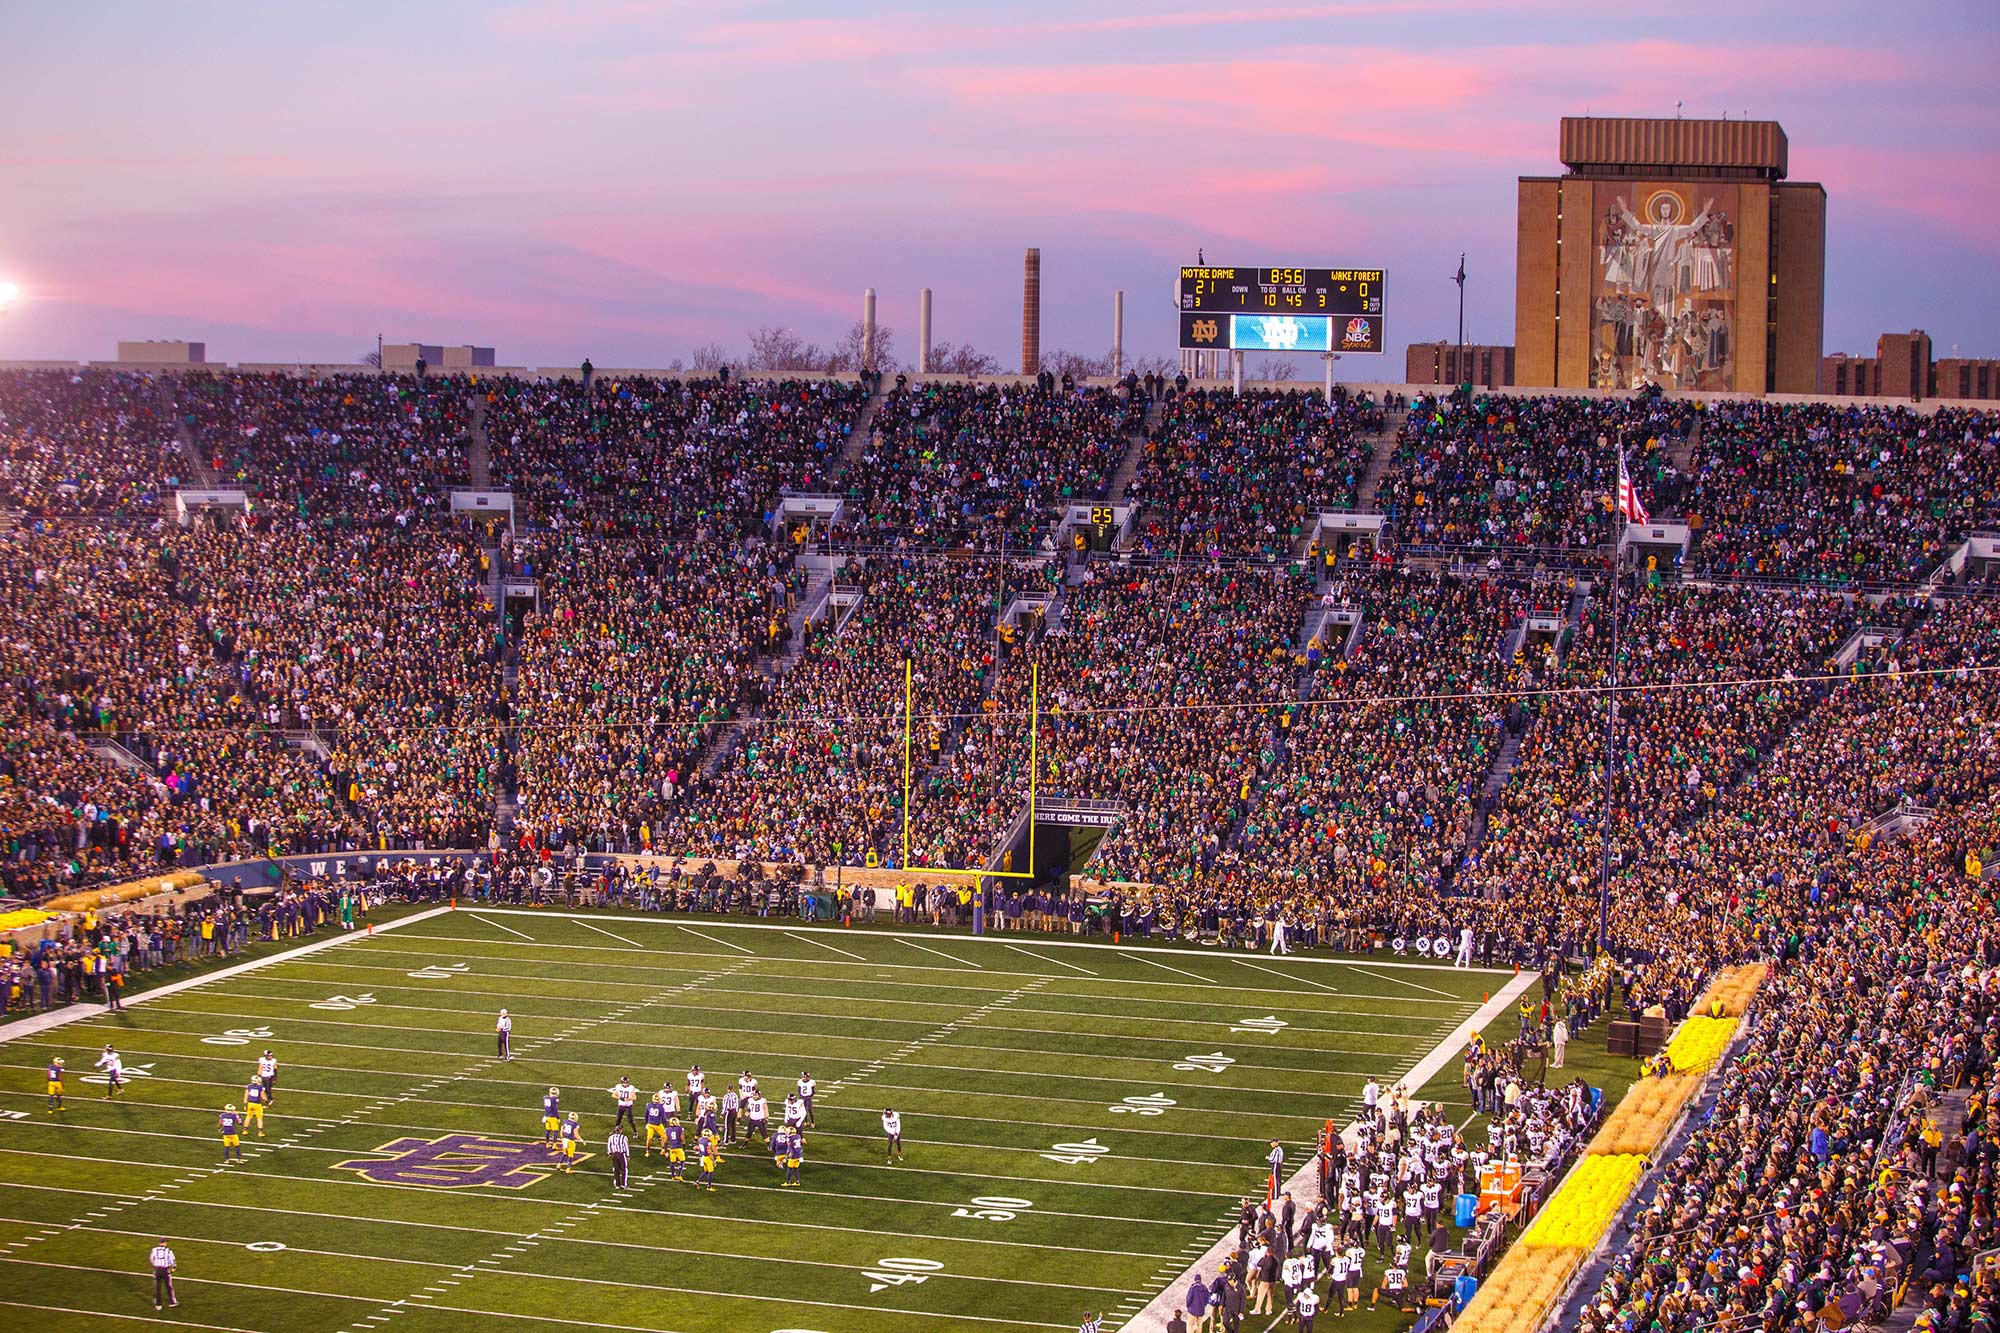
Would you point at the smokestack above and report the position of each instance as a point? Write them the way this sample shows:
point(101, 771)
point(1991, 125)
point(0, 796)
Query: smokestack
point(1117, 335)
point(868, 329)
point(1031, 313)
point(924, 332)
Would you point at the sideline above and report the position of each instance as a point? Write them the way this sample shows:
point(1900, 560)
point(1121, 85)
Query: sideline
point(1033, 938)
point(1153, 1318)
point(77, 1013)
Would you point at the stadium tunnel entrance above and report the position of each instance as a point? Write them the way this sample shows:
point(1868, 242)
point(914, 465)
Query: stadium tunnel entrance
point(1066, 834)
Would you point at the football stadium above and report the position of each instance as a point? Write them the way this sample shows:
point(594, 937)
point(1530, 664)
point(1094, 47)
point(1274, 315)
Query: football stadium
point(858, 836)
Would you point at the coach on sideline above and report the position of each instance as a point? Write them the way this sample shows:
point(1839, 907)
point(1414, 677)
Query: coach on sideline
point(163, 1274)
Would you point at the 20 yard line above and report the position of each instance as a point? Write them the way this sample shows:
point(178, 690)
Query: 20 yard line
point(519, 934)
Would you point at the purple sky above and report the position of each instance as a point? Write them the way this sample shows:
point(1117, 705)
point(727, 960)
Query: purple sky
point(627, 180)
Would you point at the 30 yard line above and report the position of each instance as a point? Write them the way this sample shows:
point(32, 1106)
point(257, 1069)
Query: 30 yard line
point(712, 940)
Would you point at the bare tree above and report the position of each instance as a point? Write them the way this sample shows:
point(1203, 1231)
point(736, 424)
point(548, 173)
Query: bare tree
point(1277, 368)
point(709, 357)
point(847, 352)
point(1075, 364)
point(948, 358)
point(778, 349)
point(371, 357)
point(1154, 365)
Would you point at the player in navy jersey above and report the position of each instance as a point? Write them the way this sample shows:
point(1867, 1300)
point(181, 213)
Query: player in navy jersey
point(676, 1149)
point(572, 1135)
point(795, 1156)
point(551, 1118)
point(710, 1155)
point(231, 1125)
point(253, 1106)
point(55, 1085)
point(656, 1123)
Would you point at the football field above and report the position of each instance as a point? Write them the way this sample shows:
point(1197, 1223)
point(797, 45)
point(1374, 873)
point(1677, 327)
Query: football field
point(1080, 1124)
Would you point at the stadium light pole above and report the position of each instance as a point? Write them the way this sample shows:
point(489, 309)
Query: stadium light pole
point(1460, 280)
point(1610, 731)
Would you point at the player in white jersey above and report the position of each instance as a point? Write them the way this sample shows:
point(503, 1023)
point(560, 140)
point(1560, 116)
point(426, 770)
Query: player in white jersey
point(757, 1116)
point(795, 1111)
point(892, 1129)
point(807, 1086)
point(697, 1083)
point(114, 1069)
point(267, 1074)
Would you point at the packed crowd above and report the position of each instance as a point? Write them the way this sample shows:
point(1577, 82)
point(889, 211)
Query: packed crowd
point(1244, 475)
point(87, 442)
point(983, 465)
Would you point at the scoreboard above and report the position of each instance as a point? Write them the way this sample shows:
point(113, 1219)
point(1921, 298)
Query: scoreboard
point(1280, 309)
point(1281, 291)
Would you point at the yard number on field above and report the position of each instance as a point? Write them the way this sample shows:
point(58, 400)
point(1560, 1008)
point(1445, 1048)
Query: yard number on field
point(897, 1272)
point(239, 1037)
point(13, 1115)
point(1212, 1063)
point(440, 971)
point(1270, 1025)
point(994, 1208)
point(1077, 1154)
point(129, 1072)
point(344, 1001)
point(1156, 1104)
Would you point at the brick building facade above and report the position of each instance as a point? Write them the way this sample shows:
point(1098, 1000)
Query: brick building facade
point(1673, 252)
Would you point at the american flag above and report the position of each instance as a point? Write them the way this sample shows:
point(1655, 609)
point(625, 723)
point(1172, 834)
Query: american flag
point(1628, 495)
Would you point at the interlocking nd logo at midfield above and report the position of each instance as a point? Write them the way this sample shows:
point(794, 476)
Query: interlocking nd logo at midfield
point(457, 1161)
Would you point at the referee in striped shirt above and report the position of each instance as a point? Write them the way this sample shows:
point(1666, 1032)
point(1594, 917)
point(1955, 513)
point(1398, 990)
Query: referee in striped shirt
point(1091, 1324)
point(163, 1274)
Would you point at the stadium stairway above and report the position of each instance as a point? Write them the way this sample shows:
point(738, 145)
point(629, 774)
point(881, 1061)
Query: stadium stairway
point(1135, 452)
point(114, 753)
point(9, 520)
point(201, 471)
point(864, 426)
point(478, 448)
point(716, 751)
point(1381, 449)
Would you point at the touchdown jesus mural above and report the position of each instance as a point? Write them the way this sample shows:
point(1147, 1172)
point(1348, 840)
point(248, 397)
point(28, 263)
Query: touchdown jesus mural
point(1664, 309)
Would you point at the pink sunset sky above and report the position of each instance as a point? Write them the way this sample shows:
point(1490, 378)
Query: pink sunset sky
point(628, 180)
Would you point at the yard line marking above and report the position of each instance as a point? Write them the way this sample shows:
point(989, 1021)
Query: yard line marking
point(712, 940)
point(1402, 982)
point(519, 934)
point(1149, 962)
point(160, 1318)
point(927, 949)
point(1301, 981)
point(806, 939)
point(600, 930)
point(1057, 961)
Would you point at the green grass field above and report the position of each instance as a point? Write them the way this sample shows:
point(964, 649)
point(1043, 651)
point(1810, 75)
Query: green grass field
point(1079, 1123)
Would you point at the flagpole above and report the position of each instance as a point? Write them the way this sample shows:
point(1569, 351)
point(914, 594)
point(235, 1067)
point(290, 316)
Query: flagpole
point(1611, 716)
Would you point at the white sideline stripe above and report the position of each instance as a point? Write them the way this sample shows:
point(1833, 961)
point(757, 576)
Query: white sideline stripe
point(1142, 958)
point(805, 939)
point(519, 934)
point(871, 933)
point(28, 1027)
point(1153, 1319)
point(927, 949)
point(712, 940)
point(1057, 961)
point(600, 930)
